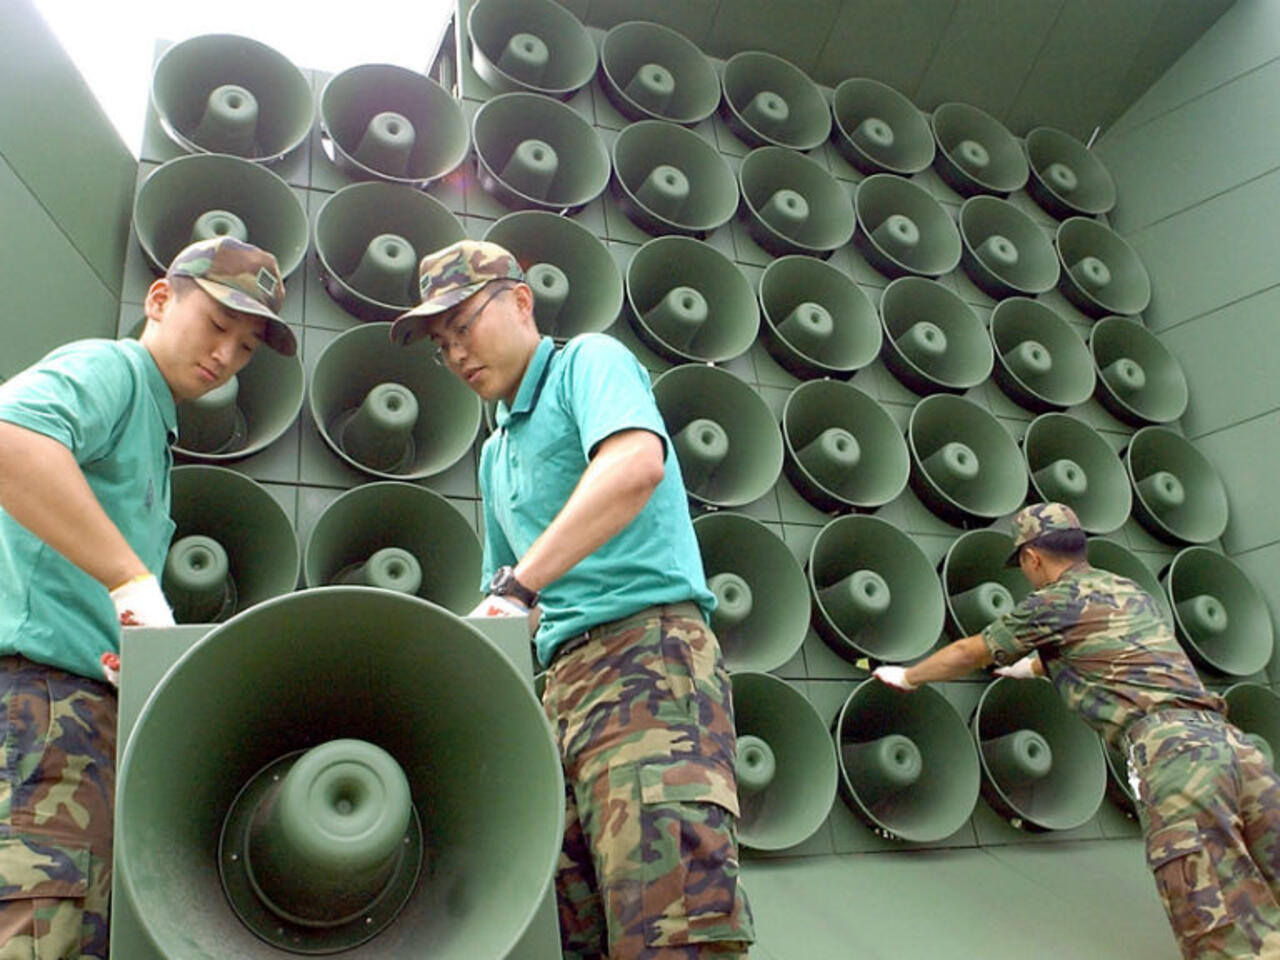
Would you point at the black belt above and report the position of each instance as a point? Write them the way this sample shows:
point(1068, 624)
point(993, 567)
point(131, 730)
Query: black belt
point(1135, 729)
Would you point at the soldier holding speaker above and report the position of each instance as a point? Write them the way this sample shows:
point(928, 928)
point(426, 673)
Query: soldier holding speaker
point(587, 533)
point(1208, 801)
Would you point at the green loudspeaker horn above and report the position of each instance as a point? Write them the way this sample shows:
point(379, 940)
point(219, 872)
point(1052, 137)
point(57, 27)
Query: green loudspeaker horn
point(792, 205)
point(818, 322)
point(908, 766)
point(369, 238)
point(1005, 251)
point(979, 586)
point(769, 102)
point(534, 45)
point(965, 466)
point(381, 122)
point(762, 614)
point(346, 794)
point(875, 594)
point(687, 301)
point(786, 763)
point(1139, 379)
point(1221, 617)
point(400, 537)
point(202, 197)
point(1066, 177)
point(391, 411)
point(669, 180)
point(535, 153)
point(1042, 767)
point(227, 94)
point(933, 340)
point(1101, 273)
point(843, 449)
point(879, 130)
point(1179, 497)
point(651, 72)
point(903, 229)
point(577, 286)
point(1109, 555)
point(725, 438)
point(1255, 709)
point(1041, 362)
point(1070, 463)
point(976, 153)
point(233, 545)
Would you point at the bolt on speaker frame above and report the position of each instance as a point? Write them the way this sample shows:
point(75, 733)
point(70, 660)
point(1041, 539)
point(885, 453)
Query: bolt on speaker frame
point(1108, 555)
point(1041, 362)
point(1139, 379)
point(933, 340)
point(769, 102)
point(533, 45)
point(792, 205)
point(976, 152)
point(978, 585)
point(651, 72)
point(1005, 252)
point(1221, 619)
point(1178, 496)
point(878, 130)
point(1101, 273)
point(1069, 462)
point(903, 230)
point(1067, 178)
point(1255, 709)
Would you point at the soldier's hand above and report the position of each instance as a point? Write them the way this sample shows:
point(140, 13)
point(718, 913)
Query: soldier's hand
point(140, 603)
point(1024, 669)
point(894, 677)
point(495, 606)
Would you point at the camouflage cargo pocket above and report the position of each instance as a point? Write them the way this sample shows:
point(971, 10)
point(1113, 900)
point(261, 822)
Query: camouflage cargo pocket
point(1186, 880)
point(31, 867)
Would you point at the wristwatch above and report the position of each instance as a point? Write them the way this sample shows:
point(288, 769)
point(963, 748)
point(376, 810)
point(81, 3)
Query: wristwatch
point(505, 584)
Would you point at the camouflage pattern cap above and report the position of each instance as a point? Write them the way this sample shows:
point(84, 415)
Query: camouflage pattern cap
point(449, 276)
point(1033, 522)
point(241, 277)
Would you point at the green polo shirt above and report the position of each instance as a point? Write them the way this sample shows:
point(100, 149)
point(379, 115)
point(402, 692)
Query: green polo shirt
point(568, 402)
point(106, 402)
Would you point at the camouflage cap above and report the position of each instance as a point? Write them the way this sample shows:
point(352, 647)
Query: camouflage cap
point(1031, 523)
point(449, 276)
point(241, 277)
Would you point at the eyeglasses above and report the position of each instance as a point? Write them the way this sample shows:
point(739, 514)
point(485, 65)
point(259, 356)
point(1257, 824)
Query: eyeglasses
point(457, 331)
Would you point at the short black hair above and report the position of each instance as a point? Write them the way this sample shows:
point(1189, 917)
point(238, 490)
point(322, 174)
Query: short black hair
point(1063, 544)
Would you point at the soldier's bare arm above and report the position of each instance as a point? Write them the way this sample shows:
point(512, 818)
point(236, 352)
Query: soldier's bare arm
point(951, 662)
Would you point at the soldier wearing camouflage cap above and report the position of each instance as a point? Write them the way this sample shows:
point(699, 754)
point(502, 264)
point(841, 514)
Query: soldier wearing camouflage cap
point(1208, 801)
point(587, 534)
point(85, 437)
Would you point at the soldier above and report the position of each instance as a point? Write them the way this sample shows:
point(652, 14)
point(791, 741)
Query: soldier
point(84, 530)
point(1208, 802)
point(587, 532)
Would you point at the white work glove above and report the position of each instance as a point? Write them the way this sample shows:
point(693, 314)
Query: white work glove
point(495, 606)
point(111, 668)
point(1024, 669)
point(140, 603)
point(894, 676)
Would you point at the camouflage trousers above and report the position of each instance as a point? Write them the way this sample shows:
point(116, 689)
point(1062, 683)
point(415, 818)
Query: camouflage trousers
point(55, 812)
point(1210, 810)
point(644, 721)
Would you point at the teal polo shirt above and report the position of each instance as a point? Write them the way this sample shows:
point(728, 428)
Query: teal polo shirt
point(107, 402)
point(568, 402)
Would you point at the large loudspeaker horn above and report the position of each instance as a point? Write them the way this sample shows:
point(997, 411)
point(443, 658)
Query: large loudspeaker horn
point(844, 450)
point(1108, 555)
point(340, 767)
point(227, 94)
point(397, 536)
point(818, 322)
point(933, 340)
point(651, 72)
point(669, 180)
point(792, 205)
point(908, 766)
point(246, 414)
point(687, 301)
point(976, 153)
point(786, 763)
point(1139, 379)
point(762, 611)
point(1255, 709)
point(391, 411)
point(1070, 463)
point(1221, 617)
point(979, 586)
point(904, 230)
point(233, 546)
point(382, 122)
point(203, 197)
point(875, 594)
point(770, 102)
point(535, 153)
point(534, 45)
point(1041, 362)
point(1066, 177)
point(1101, 273)
point(1005, 251)
point(965, 466)
point(1179, 497)
point(1042, 767)
point(577, 286)
point(369, 239)
point(878, 130)
point(727, 443)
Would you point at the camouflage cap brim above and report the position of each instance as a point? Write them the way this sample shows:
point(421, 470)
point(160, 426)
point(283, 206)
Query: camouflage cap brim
point(276, 334)
point(412, 324)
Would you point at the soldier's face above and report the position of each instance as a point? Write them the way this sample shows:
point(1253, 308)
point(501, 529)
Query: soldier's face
point(488, 339)
point(1031, 562)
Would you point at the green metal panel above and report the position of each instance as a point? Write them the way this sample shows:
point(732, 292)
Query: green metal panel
point(886, 40)
point(693, 18)
point(1248, 459)
point(793, 29)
